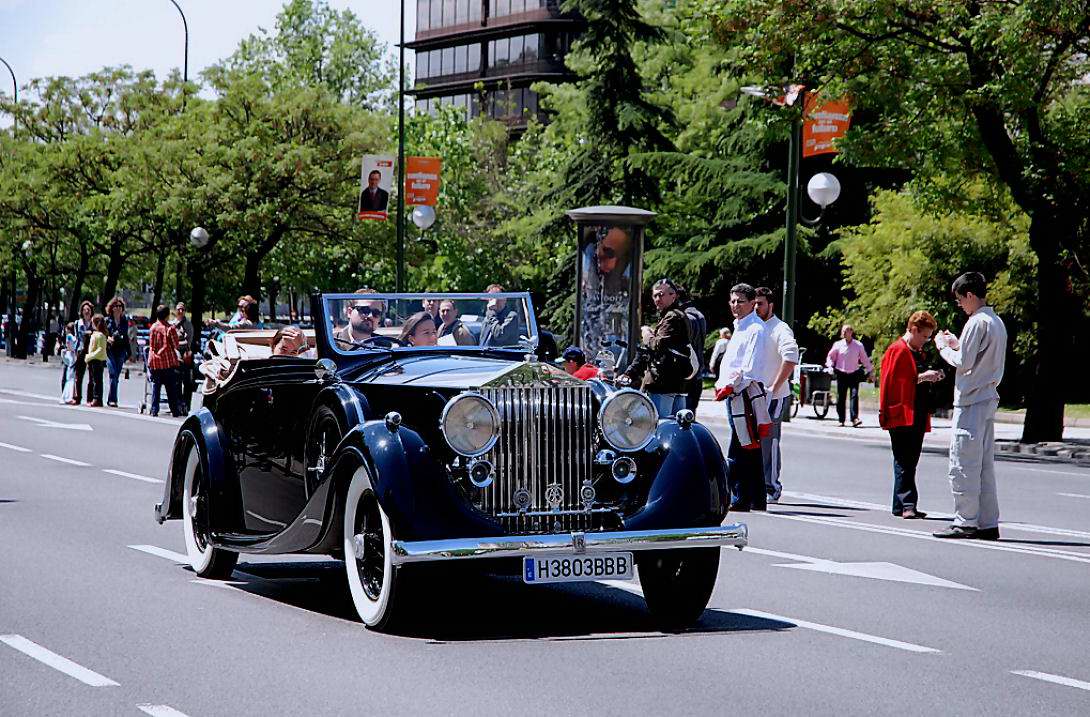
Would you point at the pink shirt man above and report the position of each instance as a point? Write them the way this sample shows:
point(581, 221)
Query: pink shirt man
point(847, 356)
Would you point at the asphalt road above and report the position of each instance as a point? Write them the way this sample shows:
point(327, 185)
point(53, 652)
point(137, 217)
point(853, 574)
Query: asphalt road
point(837, 607)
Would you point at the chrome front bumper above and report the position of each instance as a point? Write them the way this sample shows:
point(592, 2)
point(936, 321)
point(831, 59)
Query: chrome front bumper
point(512, 546)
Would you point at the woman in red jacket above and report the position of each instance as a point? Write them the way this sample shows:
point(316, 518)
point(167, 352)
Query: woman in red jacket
point(903, 407)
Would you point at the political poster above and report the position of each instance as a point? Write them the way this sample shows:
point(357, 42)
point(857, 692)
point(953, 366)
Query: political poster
point(376, 178)
point(422, 180)
point(823, 124)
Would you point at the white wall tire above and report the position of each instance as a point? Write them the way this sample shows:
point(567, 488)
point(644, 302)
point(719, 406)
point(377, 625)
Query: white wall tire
point(371, 580)
point(206, 561)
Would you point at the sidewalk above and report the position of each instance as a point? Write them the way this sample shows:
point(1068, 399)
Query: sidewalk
point(1075, 447)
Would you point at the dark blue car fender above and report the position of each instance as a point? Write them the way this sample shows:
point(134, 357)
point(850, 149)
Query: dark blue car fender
point(690, 487)
point(216, 463)
point(412, 487)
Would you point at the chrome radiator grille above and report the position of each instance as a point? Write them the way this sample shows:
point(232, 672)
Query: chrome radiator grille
point(545, 442)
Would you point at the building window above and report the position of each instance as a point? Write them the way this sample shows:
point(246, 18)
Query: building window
point(475, 10)
point(460, 54)
point(461, 13)
point(503, 7)
point(421, 65)
point(474, 62)
point(436, 14)
point(516, 49)
point(448, 60)
point(423, 15)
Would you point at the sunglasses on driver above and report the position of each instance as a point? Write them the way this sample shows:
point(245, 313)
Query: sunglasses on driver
point(367, 311)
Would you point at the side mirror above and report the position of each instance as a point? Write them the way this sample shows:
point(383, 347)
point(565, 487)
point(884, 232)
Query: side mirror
point(325, 370)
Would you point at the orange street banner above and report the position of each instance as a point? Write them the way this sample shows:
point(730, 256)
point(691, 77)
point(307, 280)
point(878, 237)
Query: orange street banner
point(422, 180)
point(376, 178)
point(823, 124)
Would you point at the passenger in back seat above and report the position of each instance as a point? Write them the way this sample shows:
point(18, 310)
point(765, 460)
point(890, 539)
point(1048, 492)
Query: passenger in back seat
point(289, 341)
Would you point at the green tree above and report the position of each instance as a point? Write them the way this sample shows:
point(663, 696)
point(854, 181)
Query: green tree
point(995, 90)
point(314, 45)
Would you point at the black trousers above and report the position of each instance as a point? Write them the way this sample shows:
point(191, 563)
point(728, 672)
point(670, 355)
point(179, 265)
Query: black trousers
point(846, 383)
point(747, 477)
point(94, 384)
point(81, 370)
point(692, 393)
point(907, 442)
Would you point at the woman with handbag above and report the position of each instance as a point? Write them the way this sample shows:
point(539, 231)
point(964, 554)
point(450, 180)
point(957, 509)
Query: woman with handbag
point(847, 359)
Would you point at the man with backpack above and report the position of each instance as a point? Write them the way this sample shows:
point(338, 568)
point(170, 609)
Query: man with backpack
point(664, 361)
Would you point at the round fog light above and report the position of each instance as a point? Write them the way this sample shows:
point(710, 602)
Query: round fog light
point(480, 473)
point(624, 470)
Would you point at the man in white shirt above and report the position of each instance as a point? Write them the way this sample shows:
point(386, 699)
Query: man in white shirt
point(742, 365)
point(978, 357)
point(781, 355)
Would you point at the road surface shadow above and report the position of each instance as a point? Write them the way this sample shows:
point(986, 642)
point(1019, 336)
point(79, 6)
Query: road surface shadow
point(460, 604)
point(1054, 543)
point(822, 505)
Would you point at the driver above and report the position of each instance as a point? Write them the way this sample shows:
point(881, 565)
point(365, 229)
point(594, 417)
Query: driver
point(363, 316)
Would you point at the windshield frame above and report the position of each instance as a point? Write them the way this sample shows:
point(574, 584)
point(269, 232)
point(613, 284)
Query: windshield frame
point(325, 301)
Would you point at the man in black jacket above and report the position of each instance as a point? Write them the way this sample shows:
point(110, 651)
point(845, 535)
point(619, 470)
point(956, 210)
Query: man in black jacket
point(698, 329)
point(664, 363)
point(501, 323)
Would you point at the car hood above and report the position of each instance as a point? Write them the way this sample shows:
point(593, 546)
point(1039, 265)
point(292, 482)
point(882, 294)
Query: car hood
point(468, 372)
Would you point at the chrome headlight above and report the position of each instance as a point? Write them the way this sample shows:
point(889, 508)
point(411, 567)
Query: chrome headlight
point(471, 424)
point(628, 420)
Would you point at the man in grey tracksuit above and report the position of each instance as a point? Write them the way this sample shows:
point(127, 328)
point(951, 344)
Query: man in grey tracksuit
point(978, 357)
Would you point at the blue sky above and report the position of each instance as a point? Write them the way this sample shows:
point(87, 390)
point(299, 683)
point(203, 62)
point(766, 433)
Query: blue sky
point(41, 38)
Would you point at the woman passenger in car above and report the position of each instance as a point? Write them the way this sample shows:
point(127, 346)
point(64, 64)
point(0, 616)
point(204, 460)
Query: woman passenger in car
point(419, 330)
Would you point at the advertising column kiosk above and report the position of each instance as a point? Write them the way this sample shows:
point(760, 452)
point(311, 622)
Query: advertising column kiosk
point(609, 272)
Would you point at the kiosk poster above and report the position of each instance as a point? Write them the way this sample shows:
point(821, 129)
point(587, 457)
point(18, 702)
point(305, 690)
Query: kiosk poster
point(422, 181)
point(376, 178)
point(606, 255)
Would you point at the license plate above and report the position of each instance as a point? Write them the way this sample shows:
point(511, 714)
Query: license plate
point(577, 568)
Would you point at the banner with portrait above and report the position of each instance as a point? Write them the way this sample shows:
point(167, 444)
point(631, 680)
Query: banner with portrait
point(376, 178)
point(609, 277)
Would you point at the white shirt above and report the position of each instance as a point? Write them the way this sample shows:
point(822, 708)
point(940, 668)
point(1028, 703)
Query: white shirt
point(979, 358)
point(743, 362)
point(779, 346)
point(717, 350)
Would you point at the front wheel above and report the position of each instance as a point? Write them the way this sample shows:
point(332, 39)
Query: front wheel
point(207, 561)
point(678, 584)
point(372, 578)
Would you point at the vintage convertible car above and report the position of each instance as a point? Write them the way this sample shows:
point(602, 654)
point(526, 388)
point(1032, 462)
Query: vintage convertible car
point(392, 448)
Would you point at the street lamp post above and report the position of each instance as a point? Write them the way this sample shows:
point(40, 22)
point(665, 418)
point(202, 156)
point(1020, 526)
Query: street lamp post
point(185, 57)
point(400, 276)
point(423, 218)
point(10, 339)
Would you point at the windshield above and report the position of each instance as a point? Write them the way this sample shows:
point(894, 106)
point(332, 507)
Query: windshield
point(369, 321)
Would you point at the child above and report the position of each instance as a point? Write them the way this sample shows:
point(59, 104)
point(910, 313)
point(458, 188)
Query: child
point(96, 358)
point(69, 346)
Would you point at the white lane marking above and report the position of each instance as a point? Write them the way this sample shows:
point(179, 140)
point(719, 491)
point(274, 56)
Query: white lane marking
point(52, 659)
point(1055, 679)
point(162, 553)
point(10, 447)
point(1023, 527)
point(626, 585)
point(62, 459)
point(134, 476)
point(27, 394)
point(1074, 495)
point(46, 423)
point(983, 545)
point(1083, 474)
point(873, 570)
point(160, 711)
point(839, 631)
point(97, 411)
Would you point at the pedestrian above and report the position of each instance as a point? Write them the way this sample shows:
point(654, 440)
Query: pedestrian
point(575, 363)
point(68, 362)
point(163, 361)
point(781, 356)
point(118, 349)
point(847, 359)
point(698, 329)
point(978, 358)
point(742, 366)
point(83, 341)
point(186, 346)
point(718, 350)
point(96, 360)
point(664, 365)
point(904, 408)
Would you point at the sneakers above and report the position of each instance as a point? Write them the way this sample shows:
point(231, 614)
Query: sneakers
point(910, 514)
point(956, 532)
point(856, 423)
point(987, 533)
point(772, 499)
